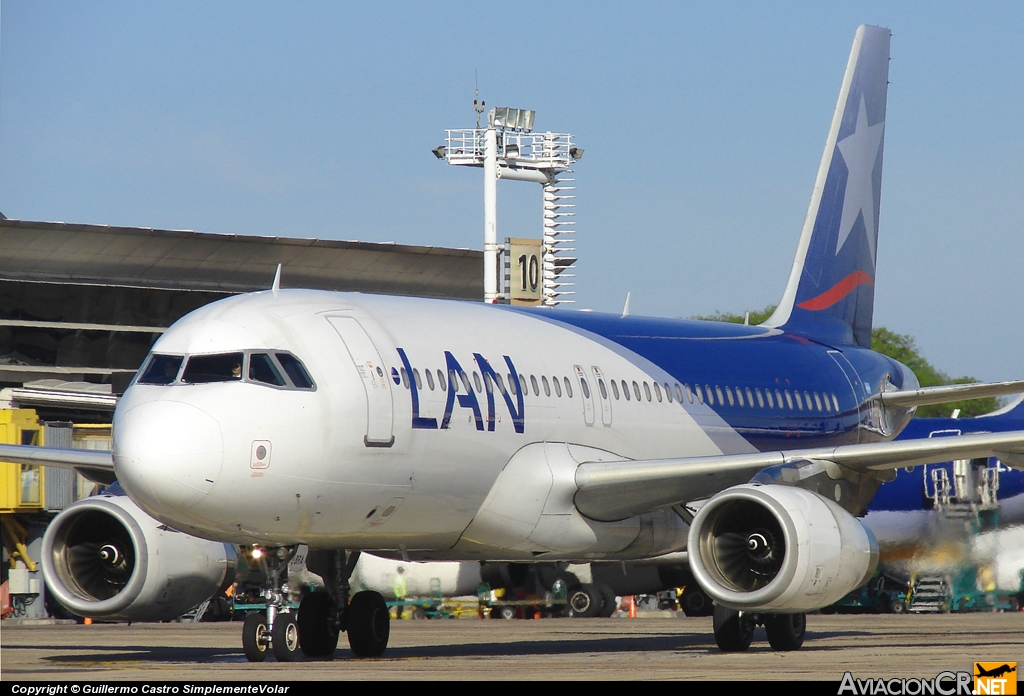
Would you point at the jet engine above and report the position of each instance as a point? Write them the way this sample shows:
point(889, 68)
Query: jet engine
point(103, 557)
point(779, 549)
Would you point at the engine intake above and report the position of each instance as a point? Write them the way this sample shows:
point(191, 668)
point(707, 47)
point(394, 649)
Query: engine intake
point(778, 548)
point(104, 557)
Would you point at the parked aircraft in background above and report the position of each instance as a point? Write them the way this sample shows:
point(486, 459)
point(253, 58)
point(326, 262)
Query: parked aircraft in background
point(439, 430)
point(938, 519)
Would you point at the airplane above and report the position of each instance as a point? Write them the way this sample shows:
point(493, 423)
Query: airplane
point(995, 671)
point(902, 517)
point(437, 430)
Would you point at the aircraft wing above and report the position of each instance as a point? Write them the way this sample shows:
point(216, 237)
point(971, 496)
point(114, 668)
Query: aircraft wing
point(952, 392)
point(95, 465)
point(615, 490)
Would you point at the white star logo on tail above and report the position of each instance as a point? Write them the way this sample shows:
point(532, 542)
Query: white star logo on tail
point(860, 150)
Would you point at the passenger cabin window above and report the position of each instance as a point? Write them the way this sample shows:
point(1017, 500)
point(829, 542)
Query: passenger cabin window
point(263, 369)
point(625, 390)
point(204, 369)
point(615, 389)
point(568, 387)
point(162, 369)
point(557, 385)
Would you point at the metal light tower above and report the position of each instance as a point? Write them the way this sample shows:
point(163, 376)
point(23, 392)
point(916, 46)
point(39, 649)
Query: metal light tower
point(509, 149)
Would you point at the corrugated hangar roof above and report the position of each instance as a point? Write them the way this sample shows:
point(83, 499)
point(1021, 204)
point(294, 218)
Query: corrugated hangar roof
point(57, 252)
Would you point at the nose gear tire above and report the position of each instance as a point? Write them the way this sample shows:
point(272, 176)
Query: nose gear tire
point(285, 637)
point(254, 637)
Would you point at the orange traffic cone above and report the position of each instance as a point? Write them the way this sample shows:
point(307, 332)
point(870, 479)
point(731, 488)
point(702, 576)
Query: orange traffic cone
point(88, 621)
point(632, 607)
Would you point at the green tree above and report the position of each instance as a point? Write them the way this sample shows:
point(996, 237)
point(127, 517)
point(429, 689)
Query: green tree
point(756, 317)
point(900, 347)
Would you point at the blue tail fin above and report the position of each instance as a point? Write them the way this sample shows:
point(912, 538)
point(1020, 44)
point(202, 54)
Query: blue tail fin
point(831, 290)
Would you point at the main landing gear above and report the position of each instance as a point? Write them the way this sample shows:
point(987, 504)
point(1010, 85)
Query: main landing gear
point(734, 630)
point(321, 617)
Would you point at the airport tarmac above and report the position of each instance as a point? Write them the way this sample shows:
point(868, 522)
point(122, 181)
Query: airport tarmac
point(564, 649)
point(568, 649)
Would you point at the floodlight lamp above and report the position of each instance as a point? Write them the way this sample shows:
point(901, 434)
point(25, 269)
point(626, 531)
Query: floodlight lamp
point(439, 151)
point(511, 150)
point(528, 121)
point(576, 153)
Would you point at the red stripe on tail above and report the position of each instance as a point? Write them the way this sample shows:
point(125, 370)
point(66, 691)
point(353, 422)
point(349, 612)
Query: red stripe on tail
point(838, 291)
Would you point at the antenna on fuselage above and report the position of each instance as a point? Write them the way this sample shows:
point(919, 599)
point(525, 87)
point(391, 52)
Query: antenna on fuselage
point(625, 307)
point(277, 280)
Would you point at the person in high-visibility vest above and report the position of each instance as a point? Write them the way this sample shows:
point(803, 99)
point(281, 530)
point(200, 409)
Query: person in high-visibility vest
point(401, 589)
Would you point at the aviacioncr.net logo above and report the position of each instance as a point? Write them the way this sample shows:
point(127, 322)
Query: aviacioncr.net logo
point(943, 684)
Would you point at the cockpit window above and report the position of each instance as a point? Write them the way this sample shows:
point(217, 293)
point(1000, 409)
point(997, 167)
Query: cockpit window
point(162, 369)
point(296, 371)
point(262, 369)
point(202, 369)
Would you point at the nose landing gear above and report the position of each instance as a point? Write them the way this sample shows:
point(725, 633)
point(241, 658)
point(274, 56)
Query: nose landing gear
point(277, 631)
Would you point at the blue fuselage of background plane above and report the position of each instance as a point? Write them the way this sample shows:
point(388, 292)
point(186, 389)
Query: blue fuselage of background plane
point(908, 491)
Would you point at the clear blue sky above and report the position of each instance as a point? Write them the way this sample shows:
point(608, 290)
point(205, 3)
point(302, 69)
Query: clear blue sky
point(703, 124)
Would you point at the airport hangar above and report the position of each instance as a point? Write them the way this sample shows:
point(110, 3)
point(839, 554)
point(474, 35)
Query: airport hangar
point(81, 306)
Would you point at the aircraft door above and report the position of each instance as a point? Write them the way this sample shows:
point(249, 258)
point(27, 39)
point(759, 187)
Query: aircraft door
point(588, 397)
point(374, 374)
point(853, 379)
point(603, 395)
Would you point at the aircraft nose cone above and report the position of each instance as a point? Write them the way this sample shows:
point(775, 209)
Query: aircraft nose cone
point(167, 454)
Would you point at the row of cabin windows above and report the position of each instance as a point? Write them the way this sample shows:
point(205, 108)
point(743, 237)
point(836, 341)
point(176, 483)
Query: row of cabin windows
point(479, 384)
point(777, 399)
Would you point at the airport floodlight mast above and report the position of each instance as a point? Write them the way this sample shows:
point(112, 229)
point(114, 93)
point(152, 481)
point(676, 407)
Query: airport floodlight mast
point(509, 149)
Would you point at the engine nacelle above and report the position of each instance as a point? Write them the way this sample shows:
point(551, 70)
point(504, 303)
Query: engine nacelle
point(778, 548)
point(104, 557)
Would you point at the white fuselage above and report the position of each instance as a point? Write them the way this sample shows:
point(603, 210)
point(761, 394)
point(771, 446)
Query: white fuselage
point(332, 478)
